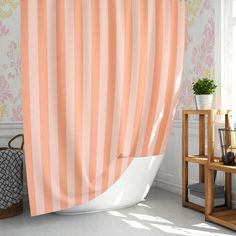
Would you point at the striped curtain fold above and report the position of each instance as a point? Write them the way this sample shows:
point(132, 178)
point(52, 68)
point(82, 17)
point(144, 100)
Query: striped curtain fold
point(100, 86)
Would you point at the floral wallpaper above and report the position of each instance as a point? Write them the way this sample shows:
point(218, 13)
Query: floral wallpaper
point(10, 79)
point(198, 62)
point(199, 49)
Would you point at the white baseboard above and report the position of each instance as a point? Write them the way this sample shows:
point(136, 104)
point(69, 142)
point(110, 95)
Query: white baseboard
point(171, 187)
point(177, 189)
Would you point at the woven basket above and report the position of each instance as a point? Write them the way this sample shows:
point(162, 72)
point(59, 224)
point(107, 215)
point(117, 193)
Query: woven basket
point(11, 179)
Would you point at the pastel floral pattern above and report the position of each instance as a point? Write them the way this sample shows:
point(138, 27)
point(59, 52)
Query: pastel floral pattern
point(199, 50)
point(8, 7)
point(3, 29)
point(5, 94)
point(3, 112)
point(10, 64)
point(13, 54)
point(192, 9)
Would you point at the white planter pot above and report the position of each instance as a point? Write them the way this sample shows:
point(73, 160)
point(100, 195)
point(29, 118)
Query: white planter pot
point(204, 102)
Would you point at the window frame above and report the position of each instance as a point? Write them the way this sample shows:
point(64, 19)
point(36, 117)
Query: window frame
point(224, 22)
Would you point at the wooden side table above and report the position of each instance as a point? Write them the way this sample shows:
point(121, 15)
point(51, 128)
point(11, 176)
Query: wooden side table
point(205, 120)
point(225, 217)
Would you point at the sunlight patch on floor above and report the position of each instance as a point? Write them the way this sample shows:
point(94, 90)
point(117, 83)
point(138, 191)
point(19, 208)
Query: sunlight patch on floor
point(205, 226)
point(185, 231)
point(151, 218)
point(116, 213)
point(136, 224)
point(143, 205)
point(155, 223)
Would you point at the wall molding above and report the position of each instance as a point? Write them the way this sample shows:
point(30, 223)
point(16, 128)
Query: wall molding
point(10, 126)
point(8, 130)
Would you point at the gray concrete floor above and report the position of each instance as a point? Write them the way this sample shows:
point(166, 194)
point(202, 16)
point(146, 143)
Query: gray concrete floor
point(161, 214)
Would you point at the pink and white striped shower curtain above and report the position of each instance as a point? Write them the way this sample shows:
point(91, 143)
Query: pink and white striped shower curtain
point(100, 86)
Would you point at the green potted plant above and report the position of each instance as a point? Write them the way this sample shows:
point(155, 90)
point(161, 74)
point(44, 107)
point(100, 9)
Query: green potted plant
point(203, 90)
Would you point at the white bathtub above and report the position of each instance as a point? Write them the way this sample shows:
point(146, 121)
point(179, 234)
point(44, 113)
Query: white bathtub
point(128, 190)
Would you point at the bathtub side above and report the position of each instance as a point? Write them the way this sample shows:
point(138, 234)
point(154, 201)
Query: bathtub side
point(131, 188)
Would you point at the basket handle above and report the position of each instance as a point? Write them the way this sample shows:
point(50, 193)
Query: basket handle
point(15, 137)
